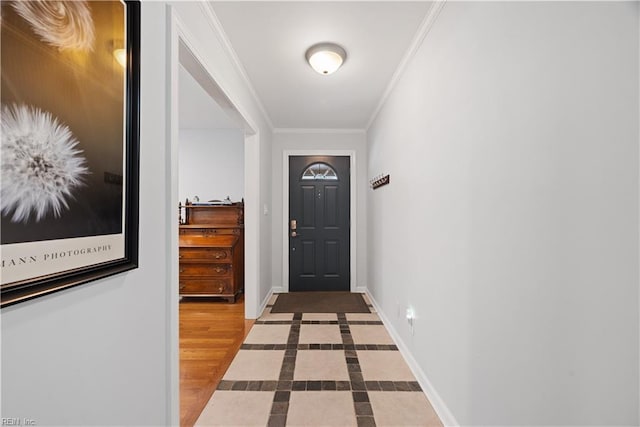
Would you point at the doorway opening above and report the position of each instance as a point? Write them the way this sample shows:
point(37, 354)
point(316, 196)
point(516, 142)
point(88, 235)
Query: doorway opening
point(238, 128)
point(185, 63)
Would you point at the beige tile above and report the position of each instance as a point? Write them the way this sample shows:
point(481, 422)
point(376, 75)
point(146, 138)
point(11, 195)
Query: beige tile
point(320, 334)
point(268, 334)
point(320, 316)
point(255, 365)
point(384, 366)
point(237, 408)
point(321, 365)
point(369, 317)
point(321, 408)
point(268, 316)
point(370, 334)
point(402, 409)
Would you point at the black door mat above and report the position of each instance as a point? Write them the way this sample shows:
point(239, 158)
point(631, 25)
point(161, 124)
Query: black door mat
point(320, 302)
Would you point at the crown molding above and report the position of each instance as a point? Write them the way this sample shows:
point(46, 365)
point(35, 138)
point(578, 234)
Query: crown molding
point(317, 131)
point(423, 30)
point(226, 43)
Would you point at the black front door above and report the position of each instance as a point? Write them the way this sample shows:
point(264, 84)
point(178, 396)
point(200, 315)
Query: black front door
point(319, 223)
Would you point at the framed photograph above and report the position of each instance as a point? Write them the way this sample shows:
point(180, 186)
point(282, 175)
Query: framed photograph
point(69, 144)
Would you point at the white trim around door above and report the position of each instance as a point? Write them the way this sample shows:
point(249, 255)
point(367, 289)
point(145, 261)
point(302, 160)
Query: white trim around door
point(353, 211)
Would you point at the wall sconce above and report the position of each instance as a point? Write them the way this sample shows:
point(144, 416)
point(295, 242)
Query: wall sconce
point(325, 58)
point(117, 48)
point(121, 56)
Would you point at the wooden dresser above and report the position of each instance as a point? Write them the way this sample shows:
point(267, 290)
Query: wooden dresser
point(212, 251)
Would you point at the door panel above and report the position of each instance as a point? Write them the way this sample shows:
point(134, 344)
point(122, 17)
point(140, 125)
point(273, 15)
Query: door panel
point(331, 258)
point(331, 206)
point(308, 213)
point(308, 258)
point(319, 202)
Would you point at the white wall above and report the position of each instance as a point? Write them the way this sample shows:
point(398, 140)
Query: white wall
point(98, 354)
point(511, 221)
point(318, 141)
point(211, 164)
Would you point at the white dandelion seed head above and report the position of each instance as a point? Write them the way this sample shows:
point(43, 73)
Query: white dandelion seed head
point(40, 164)
point(67, 25)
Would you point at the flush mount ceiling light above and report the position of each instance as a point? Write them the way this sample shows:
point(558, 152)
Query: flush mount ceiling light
point(325, 58)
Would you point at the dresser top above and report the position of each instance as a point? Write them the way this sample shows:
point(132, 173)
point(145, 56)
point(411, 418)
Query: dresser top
point(190, 226)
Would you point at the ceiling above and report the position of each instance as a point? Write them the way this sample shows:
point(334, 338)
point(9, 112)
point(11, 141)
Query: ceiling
point(270, 40)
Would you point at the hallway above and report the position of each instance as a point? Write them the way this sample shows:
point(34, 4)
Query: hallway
point(318, 369)
point(509, 231)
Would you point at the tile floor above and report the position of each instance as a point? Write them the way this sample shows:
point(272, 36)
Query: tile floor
point(318, 369)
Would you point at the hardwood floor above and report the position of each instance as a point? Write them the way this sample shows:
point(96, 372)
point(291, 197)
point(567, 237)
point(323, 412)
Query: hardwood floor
point(211, 333)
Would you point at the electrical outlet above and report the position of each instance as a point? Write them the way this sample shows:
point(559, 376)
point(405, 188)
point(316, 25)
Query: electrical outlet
point(410, 316)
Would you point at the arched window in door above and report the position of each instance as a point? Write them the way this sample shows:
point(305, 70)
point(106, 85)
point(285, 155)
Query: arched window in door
point(320, 171)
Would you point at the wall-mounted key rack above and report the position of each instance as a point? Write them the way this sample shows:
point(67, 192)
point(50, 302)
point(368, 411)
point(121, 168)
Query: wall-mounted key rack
point(379, 181)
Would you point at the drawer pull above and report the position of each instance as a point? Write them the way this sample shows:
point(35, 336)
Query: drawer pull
point(182, 286)
point(221, 289)
point(181, 271)
point(219, 270)
point(179, 256)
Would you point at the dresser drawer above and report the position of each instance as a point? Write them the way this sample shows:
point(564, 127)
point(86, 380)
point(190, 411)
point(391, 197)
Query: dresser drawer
point(205, 254)
point(205, 269)
point(206, 286)
point(209, 231)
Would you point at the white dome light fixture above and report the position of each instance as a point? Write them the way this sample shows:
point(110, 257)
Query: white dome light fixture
point(325, 58)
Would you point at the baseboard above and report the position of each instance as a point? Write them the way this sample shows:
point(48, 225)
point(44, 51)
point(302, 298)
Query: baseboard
point(361, 289)
point(438, 404)
point(265, 301)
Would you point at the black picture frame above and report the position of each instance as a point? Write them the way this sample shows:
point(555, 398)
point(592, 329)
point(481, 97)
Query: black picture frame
point(44, 284)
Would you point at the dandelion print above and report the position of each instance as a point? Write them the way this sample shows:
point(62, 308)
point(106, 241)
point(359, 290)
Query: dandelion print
point(67, 25)
point(40, 163)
